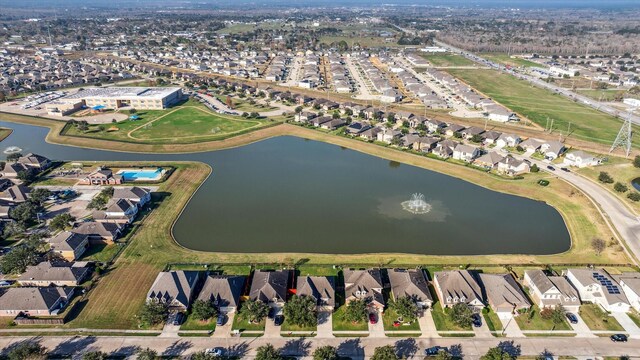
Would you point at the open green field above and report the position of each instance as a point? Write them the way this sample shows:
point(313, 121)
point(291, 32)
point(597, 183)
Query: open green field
point(448, 60)
point(533, 321)
point(245, 105)
point(505, 59)
point(186, 123)
point(602, 95)
point(539, 104)
point(621, 170)
point(597, 319)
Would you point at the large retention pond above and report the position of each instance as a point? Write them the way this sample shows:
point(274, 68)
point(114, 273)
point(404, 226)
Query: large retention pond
point(292, 195)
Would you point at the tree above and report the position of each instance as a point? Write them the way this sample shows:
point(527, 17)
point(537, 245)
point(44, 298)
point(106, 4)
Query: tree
point(598, 245)
point(14, 157)
point(61, 222)
point(387, 352)
point(153, 313)
point(555, 314)
point(24, 212)
point(27, 350)
point(298, 109)
point(636, 161)
point(201, 355)
point(406, 308)
point(301, 311)
point(132, 111)
point(94, 355)
point(254, 310)
point(477, 138)
point(39, 195)
point(443, 355)
point(534, 168)
point(147, 354)
point(461, 314)
point(634, 196)
point(27, 175)
point(620, 187)
point(327, 352)
point(268, 352)
point(497, 353)
point(204, 310)
point(604, 177)
point(356, 311)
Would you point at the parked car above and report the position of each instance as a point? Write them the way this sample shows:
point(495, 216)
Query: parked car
point(215, 351)
point(551, 168)
point(5, 283)
point(572, 318)
point(434, 350)
point(565, 169)
point(272, 313)
point(476, 320)
point(373, 318)
point(221, 320)
point(619, 338)
point(177, 320)
point(278, 320)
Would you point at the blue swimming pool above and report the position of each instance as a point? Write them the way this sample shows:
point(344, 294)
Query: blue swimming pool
point(140, 174)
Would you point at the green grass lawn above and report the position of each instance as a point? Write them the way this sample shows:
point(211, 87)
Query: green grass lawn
point(492, 320)
point(635, 316)
point(341, 325)
point(604, 95)
point(242, 324)
point(390, 316)
point(443, 321)
point(505, 59)
point(191, 323)
point(533, 321)
point(244, 104)
point(597, 319)
point(287, 326)
point(100, 252)
point(537, 104)
point(317, 270)
point(621, 170)
point(448, 60)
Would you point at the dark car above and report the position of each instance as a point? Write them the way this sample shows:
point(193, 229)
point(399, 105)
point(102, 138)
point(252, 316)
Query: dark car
point(434, 350)
point(619, 338)
point(476, 320)
point(278, 320)
point(572, 318)
point(272, 313)
point(551, 168)
point(221, 320)
point(565, 169)
point(373, 318)
point(178, 319)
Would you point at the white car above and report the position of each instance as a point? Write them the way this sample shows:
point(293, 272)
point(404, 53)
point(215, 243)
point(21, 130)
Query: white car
point(214, 351)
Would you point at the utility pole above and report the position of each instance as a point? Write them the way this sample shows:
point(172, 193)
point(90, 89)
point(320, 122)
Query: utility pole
point(623, 139)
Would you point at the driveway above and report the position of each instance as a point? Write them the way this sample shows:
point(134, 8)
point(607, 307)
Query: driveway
point(170, 330)
point(629, 325)
point(377, 329)
point(271, 330)
point(325, 324)
point(581, 328)
point(511, 328)
point(427, 325)
point(224, 331)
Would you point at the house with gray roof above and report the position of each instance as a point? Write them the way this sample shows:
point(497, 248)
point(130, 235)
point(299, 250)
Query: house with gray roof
point(175, 288)
point(11, 170)
point(270, 287)
point(410, 283)
point(551, 291)
point(581, 159)
point(16, 194)
point(598, 287)
point(34, 301)
point(69, 245)
point(224, 291)
point(35, 161)
point(552, 149)
point(321, 288)
point(99, 232)
point(465, 152)
point(630, 284)
point(364, 285)
point(503, 294)
point(489, 160)
point(120, 211)
point(137, 195)
point(458, 286)
point(48, 274)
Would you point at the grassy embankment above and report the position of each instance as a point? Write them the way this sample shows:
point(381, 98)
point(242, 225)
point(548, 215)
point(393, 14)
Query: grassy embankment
point(622, 171)
point(505, 59)
point(448, 60)
point(538, 105)
point(4, 133)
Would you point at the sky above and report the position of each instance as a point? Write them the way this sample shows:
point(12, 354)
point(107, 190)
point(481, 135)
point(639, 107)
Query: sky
point(604, 4)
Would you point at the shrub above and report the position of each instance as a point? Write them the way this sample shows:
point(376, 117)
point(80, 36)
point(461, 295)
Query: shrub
point(636, 161)
point(535, 168)
point(634, 196)
point(604, 177)
point(620, 187)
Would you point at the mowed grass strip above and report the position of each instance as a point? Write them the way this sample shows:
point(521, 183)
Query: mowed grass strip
point(538, 104)
point(448, 60)
point(505, 59)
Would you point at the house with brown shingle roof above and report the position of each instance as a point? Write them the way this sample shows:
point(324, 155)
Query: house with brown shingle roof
point(321, 288)
point(34, 300)
point(99, 232)
point(551, 291)
point(458, 286)
point(48, 274)
point(270, 287)
point(175, 288)
point(364, 285)
point(503, 294)
point(224, 291)
point(410, 283)
point(70, 245)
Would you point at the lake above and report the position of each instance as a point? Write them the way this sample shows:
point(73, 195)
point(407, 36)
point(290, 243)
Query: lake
point(287, 194)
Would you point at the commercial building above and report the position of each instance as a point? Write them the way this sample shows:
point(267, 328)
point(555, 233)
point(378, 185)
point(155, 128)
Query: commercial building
point(156, 98)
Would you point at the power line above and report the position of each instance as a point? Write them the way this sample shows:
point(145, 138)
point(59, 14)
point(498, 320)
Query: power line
point(623, 139)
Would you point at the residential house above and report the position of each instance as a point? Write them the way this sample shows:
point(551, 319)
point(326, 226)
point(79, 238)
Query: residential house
point(512, 166)
point(364, 285)
point(532, 144)
point(357, 127)
point(551, 291)
point(321, 288)
point(174, 288)
point(48, 274)
point(630, 285)
point(453, 129)
point(598, 287)
point(69, 245)
point(333, 124)
point(581, 159)
point(470, 132)
point(371, 133)
point(552, 149)
point(35, 161)
point(458, 286)
point(305, 116)
point(489, 160)
point(99, 232)
point(11, 170)
point(121, 211)
point(465, 152)
point(270, 287)
point(137, 195)
point(490, 137)
point(224, 291)
point(387, 135)
point(16, 194)
point(317, 121)
point(503, 294)
point(508, 140)
point(34, 301)
point(444, 149)
point(410, 283)
point(425, 143)
point(434, 126)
